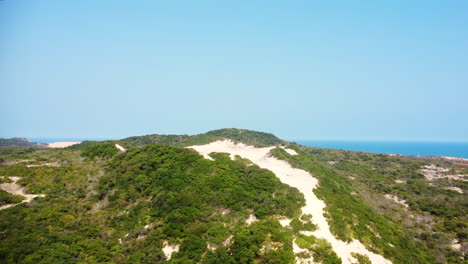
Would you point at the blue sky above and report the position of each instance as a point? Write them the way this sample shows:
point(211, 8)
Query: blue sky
point(349, 70)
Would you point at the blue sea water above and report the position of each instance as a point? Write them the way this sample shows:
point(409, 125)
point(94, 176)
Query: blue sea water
point(449, 149)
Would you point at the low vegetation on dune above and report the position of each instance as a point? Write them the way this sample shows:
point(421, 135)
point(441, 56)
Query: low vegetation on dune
point(103, 205)
point(249, 137)
point(8, 198)
point(356, 187)
point(121, 208)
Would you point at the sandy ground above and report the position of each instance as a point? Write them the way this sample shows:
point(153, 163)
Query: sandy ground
point(169, 249)
point(396, 200)
point(48, 164)
point(456, 245)
point(456, 189)
point(251, 219)
point(61, 144)
point(432, 172)
point(301, 180)
point(456, 159)
point(17, 189)
point(285, 222)
point(120, 148)
point(13, 162)
point(289, 151)
point(297, 249)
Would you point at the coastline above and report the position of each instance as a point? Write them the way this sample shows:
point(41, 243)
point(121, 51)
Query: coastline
point(454, 151)
point(462, 160)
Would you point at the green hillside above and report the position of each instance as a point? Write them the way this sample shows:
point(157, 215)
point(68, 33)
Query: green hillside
point(249, 137)
point(107, 206)
point(19, 142)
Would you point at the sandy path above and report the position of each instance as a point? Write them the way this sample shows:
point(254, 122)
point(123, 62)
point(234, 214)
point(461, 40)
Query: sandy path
point(305, 183)
point(17, 189)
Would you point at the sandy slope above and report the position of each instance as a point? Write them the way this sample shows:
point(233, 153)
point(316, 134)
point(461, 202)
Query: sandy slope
point(61, 144)
point(17, 189)
point(301, 180)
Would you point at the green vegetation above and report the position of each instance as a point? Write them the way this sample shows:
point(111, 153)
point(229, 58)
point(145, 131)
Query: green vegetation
point(249, 137)
point(5, 180)
point(322, 251)
point(107, 206)
point(358, 182)
point(303, 223)
point(435, 217)
point(93, 203)
point(90, 149)
point(350, 217)
point(14, 170)
point(14, 152)
point(8, 198)
point(19, 142)
point(361, 258)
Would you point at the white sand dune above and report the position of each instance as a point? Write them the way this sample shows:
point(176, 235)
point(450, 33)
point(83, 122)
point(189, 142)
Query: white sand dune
point(62, 144)
point(17, 189)
point(305, 183)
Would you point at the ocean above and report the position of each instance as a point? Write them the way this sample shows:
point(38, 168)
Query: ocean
point(448, 149)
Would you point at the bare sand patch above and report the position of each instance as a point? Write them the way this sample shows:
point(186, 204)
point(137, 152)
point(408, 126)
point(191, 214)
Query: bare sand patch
point(13, 162)
point(456, 159)
point(298, 250)
point(228, 241)
point(432, 172)
point(456, 245)
point(289, 151)
point(48, 164)
point(285, 222)
point(62, 144)
point(305, 183)
point(396, 200)
point(251, 219)
point(456, 189)
point(169, 249)
point(120, 148)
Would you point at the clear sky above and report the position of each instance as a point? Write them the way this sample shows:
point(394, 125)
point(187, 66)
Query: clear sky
point(367, 70)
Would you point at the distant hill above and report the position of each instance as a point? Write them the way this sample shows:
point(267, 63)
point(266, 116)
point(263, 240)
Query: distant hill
point(249, 137)
point(19, 142)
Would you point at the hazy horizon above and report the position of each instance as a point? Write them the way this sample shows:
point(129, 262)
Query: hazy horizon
point(52, 139)
point(354, 70)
